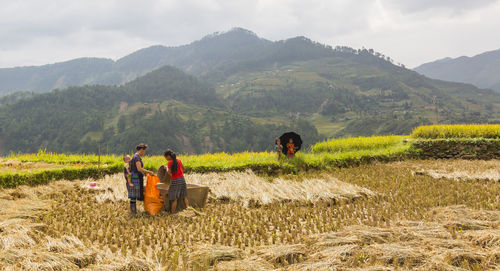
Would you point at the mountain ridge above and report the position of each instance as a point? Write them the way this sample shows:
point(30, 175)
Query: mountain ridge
point(205, 58)
point(481, 70)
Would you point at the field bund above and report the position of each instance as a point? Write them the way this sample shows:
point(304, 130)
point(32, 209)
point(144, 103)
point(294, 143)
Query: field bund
point(458, 141)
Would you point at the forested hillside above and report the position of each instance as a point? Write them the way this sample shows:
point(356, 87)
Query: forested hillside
point(165, 108)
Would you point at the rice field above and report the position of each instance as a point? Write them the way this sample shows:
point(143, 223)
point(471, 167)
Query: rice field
point(457, 131)
point(357, 143)
point(60, 166)
point(371, 217)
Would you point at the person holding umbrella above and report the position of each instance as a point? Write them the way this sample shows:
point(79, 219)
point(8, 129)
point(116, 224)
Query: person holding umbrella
point(290, 149)
point(293, 143)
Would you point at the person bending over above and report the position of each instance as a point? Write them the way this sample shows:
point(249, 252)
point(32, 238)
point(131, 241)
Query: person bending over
point(178, 187)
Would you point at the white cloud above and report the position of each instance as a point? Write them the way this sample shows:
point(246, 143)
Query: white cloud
point(455, 6)
point(35, 32)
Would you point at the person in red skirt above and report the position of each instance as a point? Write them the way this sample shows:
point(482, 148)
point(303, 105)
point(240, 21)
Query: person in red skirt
point(178, 187)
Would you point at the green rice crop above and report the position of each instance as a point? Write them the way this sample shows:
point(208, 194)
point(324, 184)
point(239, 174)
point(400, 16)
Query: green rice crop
point(357, 143)
point(327, 160)
point(457, 131)
point(37, 177)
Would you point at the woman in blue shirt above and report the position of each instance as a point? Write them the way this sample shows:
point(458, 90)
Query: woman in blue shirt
point(137, 171)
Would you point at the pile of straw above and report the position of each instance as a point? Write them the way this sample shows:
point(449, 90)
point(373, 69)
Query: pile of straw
point(247, 187)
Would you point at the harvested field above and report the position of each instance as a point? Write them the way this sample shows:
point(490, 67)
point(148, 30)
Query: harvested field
point(24, 244)
point(17, 166)
point(460, 170)
point(372, 217)
point(250, 189)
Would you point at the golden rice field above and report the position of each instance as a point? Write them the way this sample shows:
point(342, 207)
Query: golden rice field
point(394, 216)
point(357, 143)
point(457, 131)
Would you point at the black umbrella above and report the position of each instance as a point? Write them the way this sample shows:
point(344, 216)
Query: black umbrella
point(297, 141)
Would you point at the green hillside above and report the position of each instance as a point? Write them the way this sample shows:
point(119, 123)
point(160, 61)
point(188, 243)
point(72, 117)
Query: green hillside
point(352, 96)
point(164, 108)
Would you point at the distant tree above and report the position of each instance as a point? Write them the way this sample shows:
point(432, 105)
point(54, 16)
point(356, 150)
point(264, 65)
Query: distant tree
point(122, 124)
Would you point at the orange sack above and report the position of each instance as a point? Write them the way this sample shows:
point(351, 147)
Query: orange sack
point(152, 200)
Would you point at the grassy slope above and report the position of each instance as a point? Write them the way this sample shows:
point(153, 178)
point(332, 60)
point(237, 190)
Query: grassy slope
point(343, 73)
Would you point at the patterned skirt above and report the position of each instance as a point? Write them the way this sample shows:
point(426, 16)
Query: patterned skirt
point(137, 191)
point(177, 189)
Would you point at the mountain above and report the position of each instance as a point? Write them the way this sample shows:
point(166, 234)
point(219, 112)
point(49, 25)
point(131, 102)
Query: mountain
point(211, 59)
point(214, 52)
point(234, 91)
point(481, 70)
point(44, 78)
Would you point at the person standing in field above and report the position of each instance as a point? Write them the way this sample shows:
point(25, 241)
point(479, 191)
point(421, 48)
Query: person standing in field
point(137, 171)
point(290, 149)
point(178, 188)
point(278, 148)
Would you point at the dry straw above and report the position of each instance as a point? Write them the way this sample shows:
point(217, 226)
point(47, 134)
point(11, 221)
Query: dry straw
point(247, 187)
point(460, 170)
point(25, 242)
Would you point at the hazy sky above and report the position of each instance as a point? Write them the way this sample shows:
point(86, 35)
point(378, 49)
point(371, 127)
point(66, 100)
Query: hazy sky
point(35, 32)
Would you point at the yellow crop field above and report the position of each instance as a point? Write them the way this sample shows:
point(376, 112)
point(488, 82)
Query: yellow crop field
point(457, 131)
point(357, 143)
